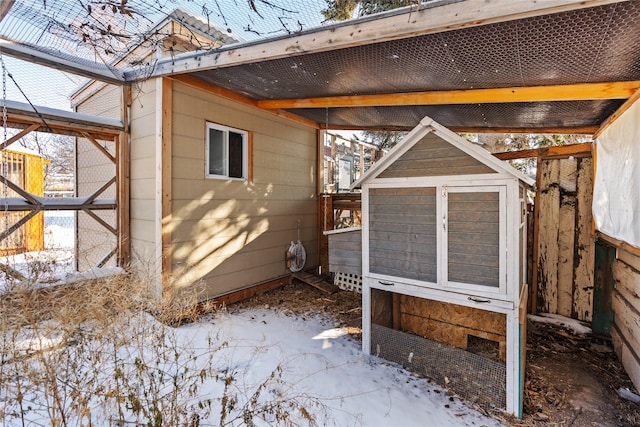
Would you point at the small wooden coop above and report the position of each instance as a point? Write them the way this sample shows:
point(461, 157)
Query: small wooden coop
point(25, 168)
point(444, 264)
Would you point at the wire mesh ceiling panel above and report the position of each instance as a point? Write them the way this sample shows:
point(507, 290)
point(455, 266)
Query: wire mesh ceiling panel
point(597, 44)
point(590, 45)
point(527, 115)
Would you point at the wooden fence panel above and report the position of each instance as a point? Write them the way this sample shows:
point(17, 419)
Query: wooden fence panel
point(565, 242)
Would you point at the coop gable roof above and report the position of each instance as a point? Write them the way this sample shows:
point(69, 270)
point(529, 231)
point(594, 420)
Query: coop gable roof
point(428, 125)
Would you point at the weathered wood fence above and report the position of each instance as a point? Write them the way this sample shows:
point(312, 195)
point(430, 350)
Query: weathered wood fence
point(617, 283)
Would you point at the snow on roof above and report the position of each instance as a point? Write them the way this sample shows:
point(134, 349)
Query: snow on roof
point(19, 148)
point(62, 114)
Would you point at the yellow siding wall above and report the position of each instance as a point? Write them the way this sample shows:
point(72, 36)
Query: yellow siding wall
point(34, 184)
point(226, 234)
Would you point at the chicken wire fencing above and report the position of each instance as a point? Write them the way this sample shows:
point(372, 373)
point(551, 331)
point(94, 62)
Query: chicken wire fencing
point(49, 226)
point(475, 378)
point(473, 369)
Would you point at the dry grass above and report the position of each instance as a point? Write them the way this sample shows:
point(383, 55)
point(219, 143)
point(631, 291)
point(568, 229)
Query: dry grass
point(102, 349)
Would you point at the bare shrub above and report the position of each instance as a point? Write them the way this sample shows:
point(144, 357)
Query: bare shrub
point(103, 352)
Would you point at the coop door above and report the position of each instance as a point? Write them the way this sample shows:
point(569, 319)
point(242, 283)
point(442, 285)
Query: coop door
point(474, 235)
point(403, 233)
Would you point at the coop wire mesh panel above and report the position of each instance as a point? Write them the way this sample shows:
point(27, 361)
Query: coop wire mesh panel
point(473, 377)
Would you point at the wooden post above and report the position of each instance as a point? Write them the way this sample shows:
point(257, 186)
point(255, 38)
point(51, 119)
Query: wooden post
point(604, 283)
point(122, 181)
point(325, 219)
point(361, 160)
point(167, 175)
point(548, 233)
point(584, 255)
point(321, 134)
point(536, 223)
point(396, 311)
point(332, 171)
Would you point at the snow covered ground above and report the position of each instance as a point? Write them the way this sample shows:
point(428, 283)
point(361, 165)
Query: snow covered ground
point(242, 360)
point(324, 361)
point(55, 264)
point(576, 326)
point(263, 356)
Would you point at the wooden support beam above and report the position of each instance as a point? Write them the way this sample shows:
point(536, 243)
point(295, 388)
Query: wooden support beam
point(99, 146)
point(5, 7)
point(60, 204)
point(361, 143)
point(618, 243)
point(101, 221)
point(575, 150)
point(24, 132)
point(572, 92)
point(6, 233)
point(28, 196)
point(29, 202)
point(106, 258)
point(536, 231)
point(242, 294)
point(11, 272)
point(101, 190)
point(21, 115)
point(612, 118)
point(97, 71)
point(551, 130)
point(122, 180)
point(205, 86)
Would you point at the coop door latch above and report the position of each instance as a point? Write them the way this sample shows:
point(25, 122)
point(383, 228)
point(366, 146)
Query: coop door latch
point(445, 193)
point(444, 216)
point(480, 300)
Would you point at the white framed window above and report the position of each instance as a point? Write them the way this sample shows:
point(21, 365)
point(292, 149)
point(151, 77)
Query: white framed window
point(227, 153)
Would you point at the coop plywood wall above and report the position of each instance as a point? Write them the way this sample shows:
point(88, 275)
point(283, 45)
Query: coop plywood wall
point(565, 245)
point(438, 321)
point(432, 156)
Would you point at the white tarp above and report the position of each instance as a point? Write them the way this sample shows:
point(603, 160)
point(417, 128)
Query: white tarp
point(616, 193)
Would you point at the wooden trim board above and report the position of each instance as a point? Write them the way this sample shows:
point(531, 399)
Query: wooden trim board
point(570, 92)
point(166, 110)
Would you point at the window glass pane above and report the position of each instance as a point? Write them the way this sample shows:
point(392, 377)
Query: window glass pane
point(217, 160)
point(235, 155)
point(474, 238)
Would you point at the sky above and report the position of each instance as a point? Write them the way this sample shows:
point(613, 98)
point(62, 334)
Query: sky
point(52, 88)
point(42, 85)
